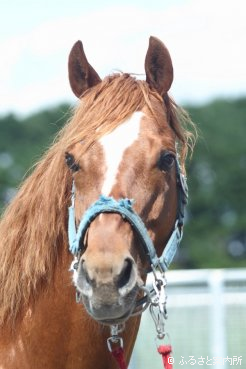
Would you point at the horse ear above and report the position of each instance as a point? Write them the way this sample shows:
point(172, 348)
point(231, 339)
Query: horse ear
point(81, 74)
point(158, 66)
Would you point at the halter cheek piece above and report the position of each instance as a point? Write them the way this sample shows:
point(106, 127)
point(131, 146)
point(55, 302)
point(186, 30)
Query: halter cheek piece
point(124, 207)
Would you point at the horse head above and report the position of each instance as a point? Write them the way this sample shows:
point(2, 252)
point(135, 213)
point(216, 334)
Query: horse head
point(127, 164)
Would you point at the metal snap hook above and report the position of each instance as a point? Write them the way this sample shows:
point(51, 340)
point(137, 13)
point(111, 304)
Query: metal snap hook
point(114, 340)
point(159, 321)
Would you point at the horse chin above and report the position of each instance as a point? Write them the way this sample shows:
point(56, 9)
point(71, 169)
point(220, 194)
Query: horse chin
point(111, 321)
point(110, 314)
point(120, 320)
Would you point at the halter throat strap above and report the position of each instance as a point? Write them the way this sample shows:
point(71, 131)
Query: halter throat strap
point(124, 207)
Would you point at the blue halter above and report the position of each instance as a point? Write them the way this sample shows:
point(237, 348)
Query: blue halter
point(124, 207)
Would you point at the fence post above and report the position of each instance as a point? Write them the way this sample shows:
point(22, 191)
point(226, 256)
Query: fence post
point(218, 331)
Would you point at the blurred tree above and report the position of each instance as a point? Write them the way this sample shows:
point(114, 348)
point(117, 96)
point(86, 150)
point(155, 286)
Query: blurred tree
point(22, 142)
point(217, 178)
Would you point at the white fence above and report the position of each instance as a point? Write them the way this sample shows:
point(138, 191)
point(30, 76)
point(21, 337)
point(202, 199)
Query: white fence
point(206, 321)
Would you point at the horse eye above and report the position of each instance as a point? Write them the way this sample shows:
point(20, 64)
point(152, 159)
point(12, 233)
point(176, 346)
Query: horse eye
point(166, 161)
point(71, 162)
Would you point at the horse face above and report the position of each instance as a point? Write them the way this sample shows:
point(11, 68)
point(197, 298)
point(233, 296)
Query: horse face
point(134, 161)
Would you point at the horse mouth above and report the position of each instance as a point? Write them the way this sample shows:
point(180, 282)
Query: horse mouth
point(115, 313)
point(107, 320)
point(115, 321)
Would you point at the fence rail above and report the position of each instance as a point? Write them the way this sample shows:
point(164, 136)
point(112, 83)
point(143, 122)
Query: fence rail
point(207, 319)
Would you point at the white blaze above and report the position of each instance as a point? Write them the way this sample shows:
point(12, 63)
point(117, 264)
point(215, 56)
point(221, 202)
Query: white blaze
point(115, 144)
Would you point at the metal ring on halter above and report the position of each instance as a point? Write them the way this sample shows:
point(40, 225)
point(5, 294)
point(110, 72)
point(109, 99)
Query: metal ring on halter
point(115, 329)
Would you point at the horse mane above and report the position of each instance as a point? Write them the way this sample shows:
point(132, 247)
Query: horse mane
point(34, 226)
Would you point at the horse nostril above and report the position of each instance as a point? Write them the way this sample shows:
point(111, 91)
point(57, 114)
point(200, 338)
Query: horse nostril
point(125, 274)
point(85, 274)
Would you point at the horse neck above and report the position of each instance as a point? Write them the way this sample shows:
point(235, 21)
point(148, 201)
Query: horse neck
point(56, 321)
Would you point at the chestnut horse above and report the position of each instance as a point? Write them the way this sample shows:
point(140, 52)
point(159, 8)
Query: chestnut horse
point(122, 142)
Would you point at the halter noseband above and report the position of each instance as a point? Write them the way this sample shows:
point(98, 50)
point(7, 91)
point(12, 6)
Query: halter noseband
point(124, 207)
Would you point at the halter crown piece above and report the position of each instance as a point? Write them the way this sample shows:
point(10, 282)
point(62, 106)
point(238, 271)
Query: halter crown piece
point(124, 207)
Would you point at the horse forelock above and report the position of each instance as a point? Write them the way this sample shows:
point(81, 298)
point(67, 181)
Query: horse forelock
point(34, 227)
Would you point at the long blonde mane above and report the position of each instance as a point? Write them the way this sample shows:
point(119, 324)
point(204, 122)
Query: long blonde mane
point(33, 228)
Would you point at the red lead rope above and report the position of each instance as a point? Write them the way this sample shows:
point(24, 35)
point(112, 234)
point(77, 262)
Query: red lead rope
point(118, 354)
point(165, 351)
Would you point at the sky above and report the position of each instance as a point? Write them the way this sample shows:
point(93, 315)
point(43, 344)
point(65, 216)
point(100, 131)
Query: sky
point(206, 40)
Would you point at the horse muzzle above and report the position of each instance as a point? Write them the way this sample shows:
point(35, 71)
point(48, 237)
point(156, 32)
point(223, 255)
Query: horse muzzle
point(109, 295)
